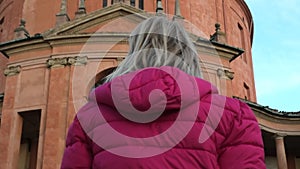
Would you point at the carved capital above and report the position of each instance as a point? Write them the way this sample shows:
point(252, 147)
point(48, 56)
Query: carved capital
point(12, 70)
point(279, 135)
point(57, 62)
point(225, 74)
point(220, 73)
point(229, 74)
point(77, 61)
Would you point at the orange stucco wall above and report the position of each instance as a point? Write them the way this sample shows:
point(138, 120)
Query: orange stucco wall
point(40, 16)
point(3, 61)
point(50, 89)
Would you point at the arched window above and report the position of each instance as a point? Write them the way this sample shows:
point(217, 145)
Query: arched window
point(104, 3)
point(132, 2)
point(141, 4)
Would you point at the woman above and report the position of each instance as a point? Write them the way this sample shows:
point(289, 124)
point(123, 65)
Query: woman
point(128, 123)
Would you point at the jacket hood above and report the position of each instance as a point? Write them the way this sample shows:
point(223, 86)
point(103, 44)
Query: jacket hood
point(149, 92)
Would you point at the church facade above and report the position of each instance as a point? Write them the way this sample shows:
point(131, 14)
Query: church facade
point(53, 53)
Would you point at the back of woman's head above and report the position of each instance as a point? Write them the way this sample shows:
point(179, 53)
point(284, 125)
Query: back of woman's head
point(157, 42)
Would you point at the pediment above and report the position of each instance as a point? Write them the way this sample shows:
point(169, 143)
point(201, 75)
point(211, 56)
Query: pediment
point(116, 18)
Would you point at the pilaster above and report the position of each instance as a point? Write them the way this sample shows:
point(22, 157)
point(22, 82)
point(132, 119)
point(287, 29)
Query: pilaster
point(57, 112)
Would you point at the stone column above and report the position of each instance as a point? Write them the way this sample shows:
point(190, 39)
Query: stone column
point(280, 151)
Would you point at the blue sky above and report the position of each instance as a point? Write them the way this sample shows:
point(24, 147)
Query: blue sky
point(276, 53)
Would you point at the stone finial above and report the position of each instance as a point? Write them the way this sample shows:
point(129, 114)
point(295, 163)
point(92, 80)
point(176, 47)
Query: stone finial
point(63, 7)
point(218, 27)
point(177, 9)
point(20, 31)
point(81, 9)
point(12, 70)
point(159, 7)
point(218, 36)
point(62, 16)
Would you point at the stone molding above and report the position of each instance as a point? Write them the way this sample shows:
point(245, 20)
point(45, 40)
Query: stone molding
point(77, 61)
point(215, 48)
point(279, 135)
point(12, 70)
point(57, 62)
point(224, 73)
point(62, 62)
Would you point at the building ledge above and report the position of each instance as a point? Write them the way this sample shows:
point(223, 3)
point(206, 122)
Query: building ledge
point(238, 51)
point(270, 111)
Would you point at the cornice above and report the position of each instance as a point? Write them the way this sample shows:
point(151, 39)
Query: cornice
point(22, 45)
point(274, 123)
point(273, 115)
point(279, 132)
point(86, 38)
point(220, 49)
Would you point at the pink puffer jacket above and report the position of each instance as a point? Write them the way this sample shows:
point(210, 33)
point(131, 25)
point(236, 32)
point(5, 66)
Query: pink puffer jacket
point(196, 129)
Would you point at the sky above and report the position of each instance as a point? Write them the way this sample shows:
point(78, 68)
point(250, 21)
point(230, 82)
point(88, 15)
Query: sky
point(276, 53)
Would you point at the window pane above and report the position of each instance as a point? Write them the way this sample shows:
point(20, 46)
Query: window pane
point(132, 2)
point(141, 4)
point(104, 4)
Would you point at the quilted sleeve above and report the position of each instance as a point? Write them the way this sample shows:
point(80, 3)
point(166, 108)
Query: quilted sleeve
point(243, 147)
point(78, 149)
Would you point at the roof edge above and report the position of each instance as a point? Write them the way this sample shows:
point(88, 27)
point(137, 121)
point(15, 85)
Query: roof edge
point(270, 111)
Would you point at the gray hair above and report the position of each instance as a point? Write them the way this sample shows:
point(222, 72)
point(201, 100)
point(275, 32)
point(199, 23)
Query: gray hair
point(156, 42)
